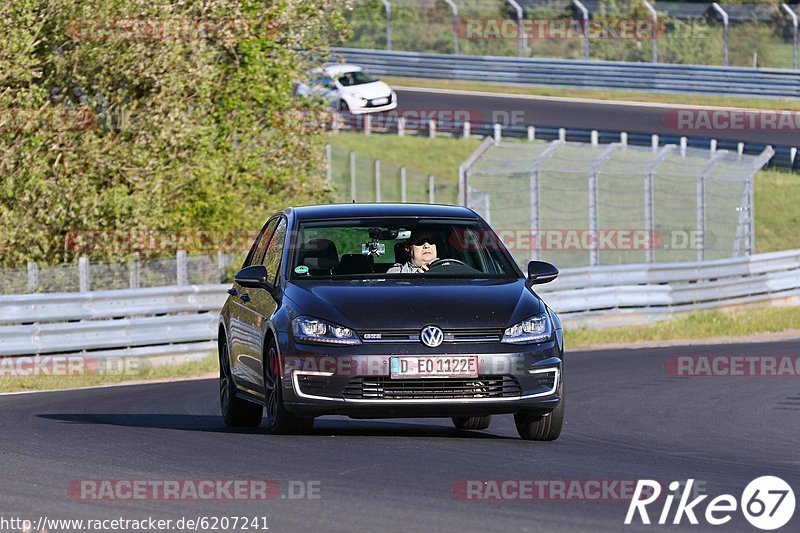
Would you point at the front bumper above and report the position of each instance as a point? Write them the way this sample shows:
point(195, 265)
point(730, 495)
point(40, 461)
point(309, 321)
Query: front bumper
point(360, 385)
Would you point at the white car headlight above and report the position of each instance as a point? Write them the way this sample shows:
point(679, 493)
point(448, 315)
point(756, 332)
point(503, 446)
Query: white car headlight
point(534, 329)
point(314, 330)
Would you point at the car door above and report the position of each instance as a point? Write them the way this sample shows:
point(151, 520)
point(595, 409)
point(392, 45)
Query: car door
point(259, 305)
point(244, 339)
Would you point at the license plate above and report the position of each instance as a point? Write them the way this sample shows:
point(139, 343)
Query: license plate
point(380, 101)
point(434, 367)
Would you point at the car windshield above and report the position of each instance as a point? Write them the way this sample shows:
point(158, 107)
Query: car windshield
point(357, 77)
point(371, 248)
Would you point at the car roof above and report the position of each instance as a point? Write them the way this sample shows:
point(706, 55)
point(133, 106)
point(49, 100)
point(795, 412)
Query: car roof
point(381, 210)
point(335, 70)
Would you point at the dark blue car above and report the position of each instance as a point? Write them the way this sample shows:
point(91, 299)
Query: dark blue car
point(389, 310)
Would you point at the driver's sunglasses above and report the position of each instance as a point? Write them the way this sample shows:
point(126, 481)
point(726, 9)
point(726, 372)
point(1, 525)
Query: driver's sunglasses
point(422, 239)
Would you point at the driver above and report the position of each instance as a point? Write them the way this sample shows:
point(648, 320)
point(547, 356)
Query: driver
point(421, 250)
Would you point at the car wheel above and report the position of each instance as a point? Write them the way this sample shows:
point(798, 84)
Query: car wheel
point(537, 426)
point(472, 422)
point(281, 421)
point(343, 107)
point(236, 412)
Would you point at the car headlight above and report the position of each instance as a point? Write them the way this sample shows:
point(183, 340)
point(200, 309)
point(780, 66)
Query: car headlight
point(314, 330)
point(534, 329)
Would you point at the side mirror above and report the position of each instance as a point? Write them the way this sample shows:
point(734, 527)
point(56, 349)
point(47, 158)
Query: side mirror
point(254, 277)
point(541, 272)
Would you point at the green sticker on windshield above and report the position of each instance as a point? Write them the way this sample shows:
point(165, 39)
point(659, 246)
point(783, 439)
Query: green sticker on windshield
point(302, 269)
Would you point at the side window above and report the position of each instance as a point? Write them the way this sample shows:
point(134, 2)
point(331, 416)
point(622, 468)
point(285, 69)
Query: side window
point(272, 259)
point(256, 255)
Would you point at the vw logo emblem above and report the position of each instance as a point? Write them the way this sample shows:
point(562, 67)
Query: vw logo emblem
point(431, 336)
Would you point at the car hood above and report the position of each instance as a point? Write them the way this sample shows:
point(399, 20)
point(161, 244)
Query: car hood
point(369, 91)
point(396, 304)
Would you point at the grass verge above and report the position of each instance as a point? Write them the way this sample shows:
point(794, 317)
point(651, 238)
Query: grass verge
point(48, 382)
point(600, 94)
point(694, 326)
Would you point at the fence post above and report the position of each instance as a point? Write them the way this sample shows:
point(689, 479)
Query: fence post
point(352, 175)
point(467, 129)
point(654, 142)
point(649, 218)
point(724, 15)
point(562, 134)
point(83, 274)
point(595, 138)
point(594, 255)
point(683, 146)
point(33, 276)
point(713, 146)
point(623, 138)
point(431, 189)
point(535, 220)
point(134, 272)
point(498, 135)
point(531, 133)
point(329, 163)
point(654, 14)
point(367, 124)
point(388, 9)
point(222, 265)
point(180, 264)
point(377, 180)
point(401, 126)
point(431, 128)
point(403, 189)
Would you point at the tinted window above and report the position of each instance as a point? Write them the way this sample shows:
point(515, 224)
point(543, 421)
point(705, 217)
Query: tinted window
point(256, 255)
point(355, 78)
point(272, 258)
point(365, 248)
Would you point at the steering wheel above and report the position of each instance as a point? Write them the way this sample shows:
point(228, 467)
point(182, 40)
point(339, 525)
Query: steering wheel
point(446, 262)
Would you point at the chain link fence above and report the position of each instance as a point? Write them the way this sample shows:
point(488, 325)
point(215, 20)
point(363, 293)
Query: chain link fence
point(85, 275)
point(747, 34)
point(579, 204)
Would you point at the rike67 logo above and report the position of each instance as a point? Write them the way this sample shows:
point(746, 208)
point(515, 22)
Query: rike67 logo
point(767, 503)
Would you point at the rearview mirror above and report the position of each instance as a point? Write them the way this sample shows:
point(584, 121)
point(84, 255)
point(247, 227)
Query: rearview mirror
point(254, 277)
point(541, 272)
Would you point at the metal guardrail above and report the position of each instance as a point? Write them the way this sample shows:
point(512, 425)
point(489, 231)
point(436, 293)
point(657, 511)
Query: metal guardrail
point(735, 81)
point(40, 324)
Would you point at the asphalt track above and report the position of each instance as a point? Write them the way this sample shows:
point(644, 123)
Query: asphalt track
point(643, 118)
point(627, 419)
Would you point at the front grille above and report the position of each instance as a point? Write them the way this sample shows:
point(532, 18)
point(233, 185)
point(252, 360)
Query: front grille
point(450, 335)
point(384, 388)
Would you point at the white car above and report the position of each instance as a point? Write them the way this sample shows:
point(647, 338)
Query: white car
point(348, 88)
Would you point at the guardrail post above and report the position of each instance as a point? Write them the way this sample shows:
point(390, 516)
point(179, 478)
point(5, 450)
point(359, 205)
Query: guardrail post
point(401, 126)
point(328, 163)
point(403, 185)
point(367, 124)
point(134, 272)
point(431, 189)
point(562, 134)
point(432, 128)
point(498, 135)
point(724, 15)
point(740, 149)
point(33, 276)
point(684, 142)
point(793, 16)
point(654, 142)
point(595, 138)
point(792, 155)
point(467, 129)
point(377, 180)
point(83, 274)
point(531, 133)
point(180, 264)
point(623, 138)
point(352, 175)
point(712, 146)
